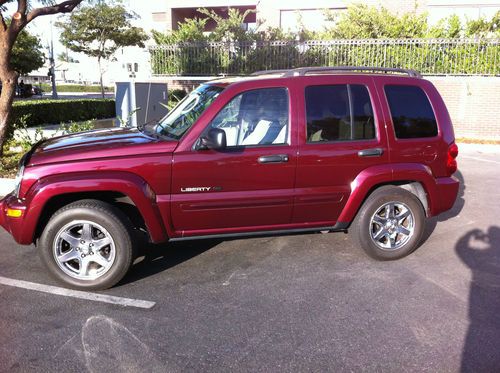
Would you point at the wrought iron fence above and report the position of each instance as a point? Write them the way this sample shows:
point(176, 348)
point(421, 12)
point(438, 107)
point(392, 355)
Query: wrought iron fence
point(429, 56)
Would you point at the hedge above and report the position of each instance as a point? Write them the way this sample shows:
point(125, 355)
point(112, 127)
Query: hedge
point(41, 112)
point(76, 88)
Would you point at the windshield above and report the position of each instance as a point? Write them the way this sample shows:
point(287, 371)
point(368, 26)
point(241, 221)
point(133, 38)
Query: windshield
point(188, 110)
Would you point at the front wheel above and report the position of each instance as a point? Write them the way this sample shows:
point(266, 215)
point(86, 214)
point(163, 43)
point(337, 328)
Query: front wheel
point(390, 223)
point(87, 245)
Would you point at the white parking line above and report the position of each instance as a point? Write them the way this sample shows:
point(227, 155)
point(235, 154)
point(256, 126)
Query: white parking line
point(126, 302)
point(479, 159)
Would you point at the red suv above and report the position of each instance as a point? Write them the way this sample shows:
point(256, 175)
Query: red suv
point(312, 149)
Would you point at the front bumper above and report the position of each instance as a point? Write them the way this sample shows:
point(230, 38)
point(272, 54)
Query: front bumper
point(2, 213)
point(14, 225)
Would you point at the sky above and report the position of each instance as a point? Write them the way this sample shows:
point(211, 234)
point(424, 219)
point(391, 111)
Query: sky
point(44, 27)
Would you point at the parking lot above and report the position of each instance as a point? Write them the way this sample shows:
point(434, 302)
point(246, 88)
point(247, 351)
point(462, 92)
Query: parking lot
point(312, 302)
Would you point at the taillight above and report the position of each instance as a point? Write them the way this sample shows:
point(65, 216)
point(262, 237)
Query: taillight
point(451, 162)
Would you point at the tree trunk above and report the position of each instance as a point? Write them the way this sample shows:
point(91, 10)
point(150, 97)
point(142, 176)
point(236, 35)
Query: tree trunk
point(100, 77)
point(8, 77)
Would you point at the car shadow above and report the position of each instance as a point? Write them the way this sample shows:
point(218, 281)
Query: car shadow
point(153, 259)
point(480, 251)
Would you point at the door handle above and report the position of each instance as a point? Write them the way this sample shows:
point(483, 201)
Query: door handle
point(278, 158)
point(376, 152)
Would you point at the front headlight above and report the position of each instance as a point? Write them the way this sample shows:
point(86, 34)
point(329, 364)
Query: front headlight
point(20, 174)
point(18, 180)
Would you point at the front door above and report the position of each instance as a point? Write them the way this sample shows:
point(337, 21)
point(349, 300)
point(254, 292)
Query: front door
point(246, 186)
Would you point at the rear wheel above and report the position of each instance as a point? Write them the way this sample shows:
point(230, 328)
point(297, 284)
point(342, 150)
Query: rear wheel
point(87, 245)
point(390, 223)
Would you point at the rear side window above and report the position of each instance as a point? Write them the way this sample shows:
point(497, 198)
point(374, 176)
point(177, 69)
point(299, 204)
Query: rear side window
point(339, 113)
point(411, 112)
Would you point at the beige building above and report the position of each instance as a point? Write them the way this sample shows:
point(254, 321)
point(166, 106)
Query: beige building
point(287, 13)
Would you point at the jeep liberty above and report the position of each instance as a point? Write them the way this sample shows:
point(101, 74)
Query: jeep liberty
point(370, 151)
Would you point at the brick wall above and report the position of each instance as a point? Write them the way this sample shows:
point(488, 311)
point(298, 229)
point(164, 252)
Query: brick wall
point(473, 102)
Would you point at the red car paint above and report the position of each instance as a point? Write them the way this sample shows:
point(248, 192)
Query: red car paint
point(321, 185)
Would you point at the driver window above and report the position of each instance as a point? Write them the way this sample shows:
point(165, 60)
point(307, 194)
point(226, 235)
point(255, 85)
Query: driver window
point(257, 117)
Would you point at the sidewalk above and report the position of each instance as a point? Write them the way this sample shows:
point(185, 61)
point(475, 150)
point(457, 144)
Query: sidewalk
point(6, 186)
point(480, 148)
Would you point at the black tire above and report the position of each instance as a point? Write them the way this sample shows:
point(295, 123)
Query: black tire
point(103, 221)
point(366, 231)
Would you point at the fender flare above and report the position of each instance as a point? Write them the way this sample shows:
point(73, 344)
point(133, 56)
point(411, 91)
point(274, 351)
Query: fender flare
point(128, 184)
point(371, 177)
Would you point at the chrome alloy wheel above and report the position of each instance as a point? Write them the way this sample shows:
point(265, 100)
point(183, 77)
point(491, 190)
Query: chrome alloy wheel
point(84, 250)
point(392, 226)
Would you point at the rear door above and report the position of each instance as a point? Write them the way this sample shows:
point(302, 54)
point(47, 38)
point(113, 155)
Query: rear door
point(341, 134)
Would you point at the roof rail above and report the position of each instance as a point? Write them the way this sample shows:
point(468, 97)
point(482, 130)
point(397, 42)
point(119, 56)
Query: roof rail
point(301, 71)
point(270, 72)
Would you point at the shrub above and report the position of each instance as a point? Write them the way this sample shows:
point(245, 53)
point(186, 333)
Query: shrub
point(39, 112)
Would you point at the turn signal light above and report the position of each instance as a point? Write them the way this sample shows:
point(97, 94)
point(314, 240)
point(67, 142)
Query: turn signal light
point(451, 162)
point(14, 213)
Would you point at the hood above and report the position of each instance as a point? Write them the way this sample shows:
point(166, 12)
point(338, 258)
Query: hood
point(116, 142)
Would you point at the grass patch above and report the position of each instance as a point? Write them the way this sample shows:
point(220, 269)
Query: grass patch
point(76, 88)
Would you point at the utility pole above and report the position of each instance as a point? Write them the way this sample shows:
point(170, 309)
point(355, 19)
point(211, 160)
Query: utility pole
point(52, 65)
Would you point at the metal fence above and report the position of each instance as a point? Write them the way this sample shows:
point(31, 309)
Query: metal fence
point(429, 56)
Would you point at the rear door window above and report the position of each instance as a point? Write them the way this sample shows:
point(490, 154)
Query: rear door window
point(339, 113)
point(411, 112)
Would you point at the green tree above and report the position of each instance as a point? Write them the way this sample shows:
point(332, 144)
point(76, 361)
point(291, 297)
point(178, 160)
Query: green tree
point(230, 28)
point(191, 30)
point(25, 12)
point(450, 27)
point(65, 57)
point(99, 31)
point(366, 22)
point(483, 27)
point(27, 54)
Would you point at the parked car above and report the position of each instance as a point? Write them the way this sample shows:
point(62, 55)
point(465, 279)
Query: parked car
point(365, 150)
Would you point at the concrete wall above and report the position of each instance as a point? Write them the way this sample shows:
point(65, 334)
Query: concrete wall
point(473, 102)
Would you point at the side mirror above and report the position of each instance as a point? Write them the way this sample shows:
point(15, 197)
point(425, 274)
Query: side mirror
point(215, 139)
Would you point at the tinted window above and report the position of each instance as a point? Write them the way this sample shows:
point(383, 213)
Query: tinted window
point(411, 112)
point(339, 113)
point(257, 117)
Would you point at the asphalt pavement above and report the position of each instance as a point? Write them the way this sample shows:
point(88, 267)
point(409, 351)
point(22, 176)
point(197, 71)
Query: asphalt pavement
point(310, 302)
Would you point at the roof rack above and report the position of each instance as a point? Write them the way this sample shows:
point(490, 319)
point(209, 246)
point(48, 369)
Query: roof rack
point(301, 71)
point(270, 72)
